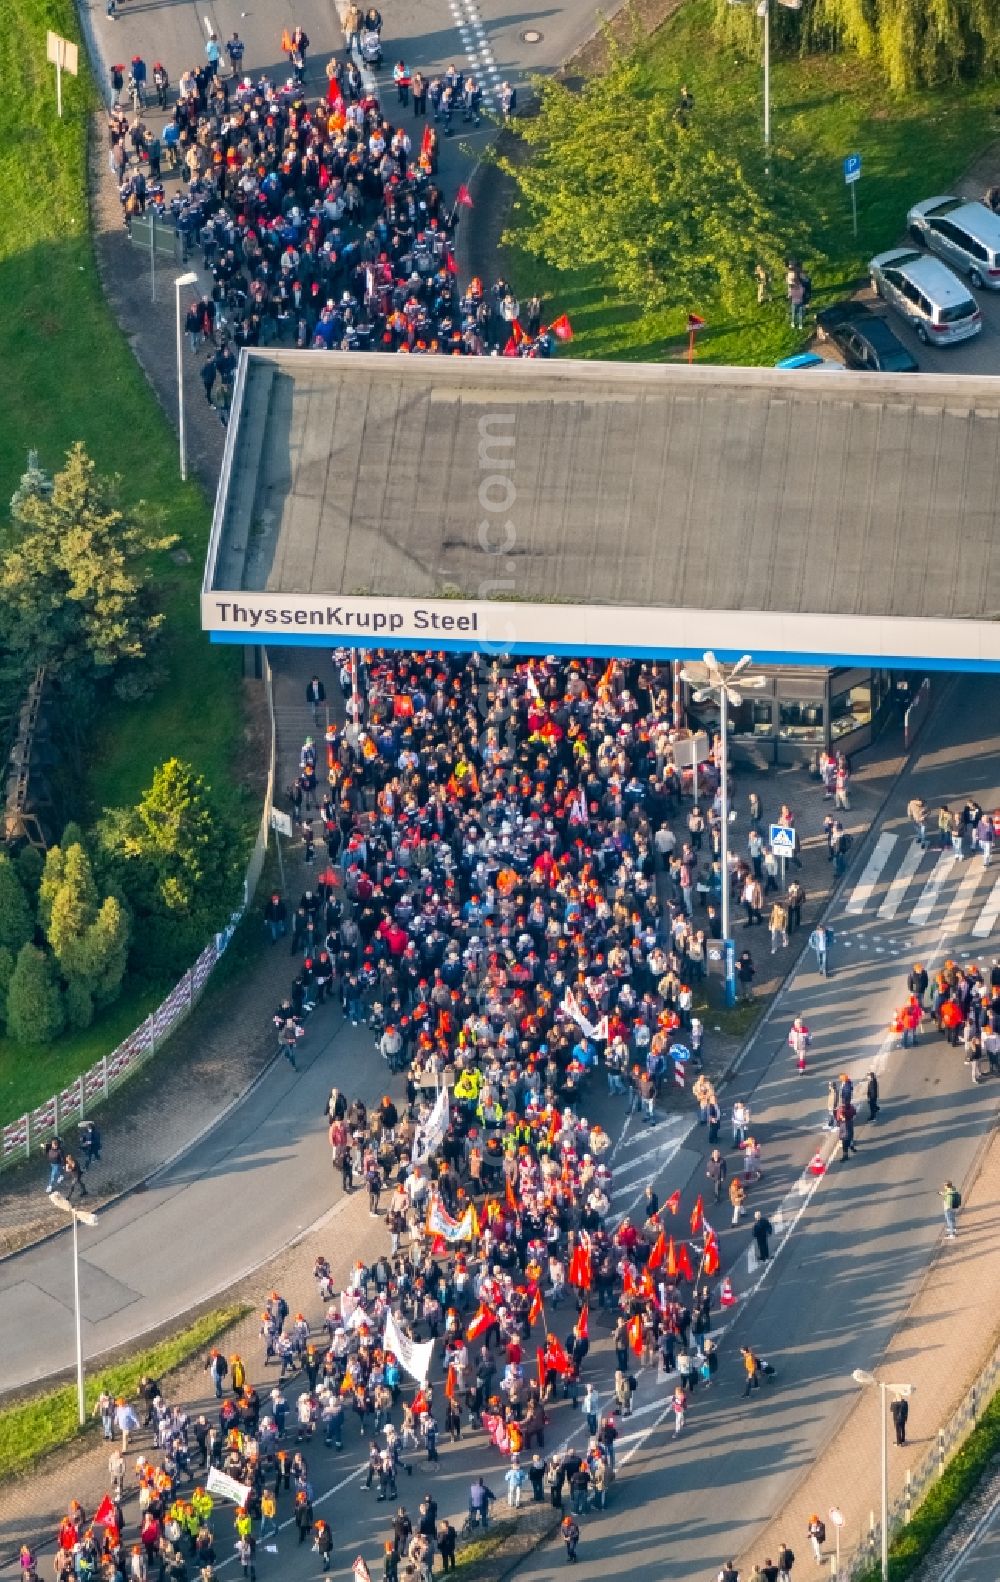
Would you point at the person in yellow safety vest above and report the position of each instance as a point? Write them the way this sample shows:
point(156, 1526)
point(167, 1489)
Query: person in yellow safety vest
point(242, 1522)
point(468, 1085)
point(489, 1114)
point(238, 1373)
point(191, 1524)
point(203, 1505)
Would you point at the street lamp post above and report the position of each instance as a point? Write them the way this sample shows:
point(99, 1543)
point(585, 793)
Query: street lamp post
point(710, 680)
point(862, 1376)
point(189, 279)
point(88, 1219)
point(763, 9)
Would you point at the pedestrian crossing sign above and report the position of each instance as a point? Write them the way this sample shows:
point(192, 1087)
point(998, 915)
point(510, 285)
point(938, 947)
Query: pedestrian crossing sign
point(782, 840)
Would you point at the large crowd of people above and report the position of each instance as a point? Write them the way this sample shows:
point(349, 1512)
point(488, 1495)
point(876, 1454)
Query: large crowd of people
point(320, 218)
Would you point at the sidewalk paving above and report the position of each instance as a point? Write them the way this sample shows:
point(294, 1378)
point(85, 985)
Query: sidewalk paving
point(948, 1335)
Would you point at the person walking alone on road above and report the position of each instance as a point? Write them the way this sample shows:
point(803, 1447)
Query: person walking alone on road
point(900, 1411)
point(778, 925)
point(871, 1094)
point(760, 1231)
point(951, 1199)
point(819, 941)
point(817, 1537)
point(717, 1171)
point(737, 1197)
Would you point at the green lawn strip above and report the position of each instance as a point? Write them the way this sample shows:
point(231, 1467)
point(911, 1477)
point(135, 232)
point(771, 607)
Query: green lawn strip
point(823, 108)
point(32, 1073)
point(69, 374)
point(956, 1483)
point(43, 1423)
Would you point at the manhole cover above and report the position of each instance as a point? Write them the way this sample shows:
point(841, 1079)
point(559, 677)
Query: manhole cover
point(531, 35)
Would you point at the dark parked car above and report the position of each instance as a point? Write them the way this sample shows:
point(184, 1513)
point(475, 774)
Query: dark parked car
point(864, 339)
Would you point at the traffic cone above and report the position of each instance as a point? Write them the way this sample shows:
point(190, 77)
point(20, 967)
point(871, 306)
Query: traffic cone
point(817, 1165)
point(727, 1297)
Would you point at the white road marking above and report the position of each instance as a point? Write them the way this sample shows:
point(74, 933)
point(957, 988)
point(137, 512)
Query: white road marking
point(932, 889)
point(991, 911)
point(963, 896)
point(901, 882)
point(862, 892)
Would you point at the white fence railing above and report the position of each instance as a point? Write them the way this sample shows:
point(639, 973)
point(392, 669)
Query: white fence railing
point(67, 1107)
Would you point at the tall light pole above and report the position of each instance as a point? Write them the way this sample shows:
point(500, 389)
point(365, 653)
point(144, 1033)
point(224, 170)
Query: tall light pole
point(190, 279)
point(763, 9)
point(711, 681)
point(88, 1219)
point(862, 1376)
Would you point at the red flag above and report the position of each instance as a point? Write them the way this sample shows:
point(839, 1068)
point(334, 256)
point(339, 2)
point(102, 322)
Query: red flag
point(517, 333)
point(583, 1322)
point(671, 1260)
point(427, 141)
point(450, 264)
point(540, 1360)
point(697, 1216)
point(464, 196)
point(104, 1516)
point(511, 1199)
point(579, 1268)
point(420, 1404)
point(451, 1385)
point(657, 1253)
point(555, 1356)
point(635, 1334)
point(646, 1286)
point(438, 1247)
point(483, 1321)
point(510, 350)
point(710, 1255)
point(536, 1310)
point(684, 1268)
point(561, 328)
point(673, 1202)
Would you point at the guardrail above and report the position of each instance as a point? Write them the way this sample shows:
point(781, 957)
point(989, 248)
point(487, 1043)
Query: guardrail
point(21, 1138)
point(950, 1439)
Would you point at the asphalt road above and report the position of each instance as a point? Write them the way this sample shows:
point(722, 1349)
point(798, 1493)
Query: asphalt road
point(849, 1249)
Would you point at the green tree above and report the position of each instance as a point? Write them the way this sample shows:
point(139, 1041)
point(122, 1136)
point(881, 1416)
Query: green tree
point(668, 210)
point(6, 973)
point(53, 874)
point(914, 42)
point(173, 858)
point(30, 866)
point(35, 1013)
point(87, 936)
point(16, 927)
point(74, 589)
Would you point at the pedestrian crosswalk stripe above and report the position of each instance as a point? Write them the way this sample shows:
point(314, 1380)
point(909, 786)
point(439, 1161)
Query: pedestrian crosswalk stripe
point(901, 882)
point(932, 889)
point(989, 914)
point(862, 891)
point(963, 896)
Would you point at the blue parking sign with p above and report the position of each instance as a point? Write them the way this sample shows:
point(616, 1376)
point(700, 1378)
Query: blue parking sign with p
point(852, 168)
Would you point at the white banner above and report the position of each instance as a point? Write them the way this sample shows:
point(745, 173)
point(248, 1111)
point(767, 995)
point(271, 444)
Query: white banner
point(570, 1007)
point(440, 1223)
point(430, 1135)
point(221, 1483)
point(414, 1357)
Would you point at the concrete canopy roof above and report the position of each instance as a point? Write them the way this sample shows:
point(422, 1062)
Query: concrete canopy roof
point(754, 500)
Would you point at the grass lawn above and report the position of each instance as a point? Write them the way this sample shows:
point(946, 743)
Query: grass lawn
point(822, 108)
point(69, 374)
point(42, 1423)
